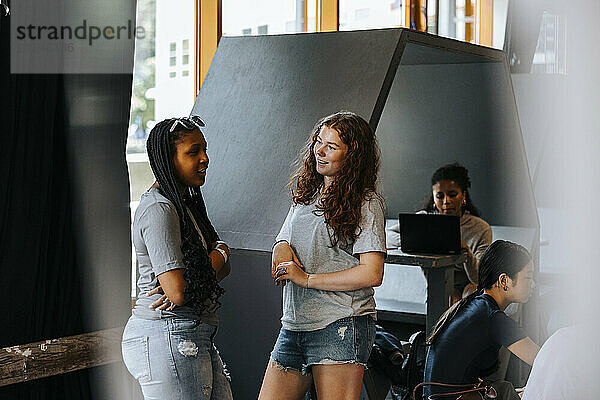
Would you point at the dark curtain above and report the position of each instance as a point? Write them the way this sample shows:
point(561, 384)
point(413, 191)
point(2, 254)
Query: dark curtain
point(40, 274)
point(65, 252)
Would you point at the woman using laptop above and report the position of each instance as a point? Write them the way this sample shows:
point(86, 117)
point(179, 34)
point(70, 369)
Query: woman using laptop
point(329, 255)
point(450, 195)
point(464, 343)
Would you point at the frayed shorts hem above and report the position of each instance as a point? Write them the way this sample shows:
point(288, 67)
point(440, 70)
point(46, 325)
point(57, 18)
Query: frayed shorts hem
point(345, 341)
point(306, 368)
point(277, 365)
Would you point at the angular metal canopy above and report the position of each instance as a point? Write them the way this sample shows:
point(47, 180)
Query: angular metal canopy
point(431, 100)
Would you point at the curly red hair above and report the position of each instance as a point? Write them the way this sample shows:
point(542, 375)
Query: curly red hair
point(341, 203)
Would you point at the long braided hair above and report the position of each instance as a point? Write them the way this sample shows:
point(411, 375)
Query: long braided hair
point(202, 286)
point(501, 257)
point(460, 175)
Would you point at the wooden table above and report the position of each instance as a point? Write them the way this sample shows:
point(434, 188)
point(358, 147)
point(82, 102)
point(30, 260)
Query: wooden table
point(439, 273)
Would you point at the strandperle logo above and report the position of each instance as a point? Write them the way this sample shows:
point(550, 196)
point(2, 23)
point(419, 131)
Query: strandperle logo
point(90, 33)
point(75, 36)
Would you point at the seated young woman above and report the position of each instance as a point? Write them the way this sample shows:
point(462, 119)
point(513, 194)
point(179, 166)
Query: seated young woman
point(464, 343)
point(450, 195)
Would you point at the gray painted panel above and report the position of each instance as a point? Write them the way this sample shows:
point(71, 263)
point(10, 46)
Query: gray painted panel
point(249, 320)
point(437, 114)
point(262, 95)
point(417, 54)
point(260, 99)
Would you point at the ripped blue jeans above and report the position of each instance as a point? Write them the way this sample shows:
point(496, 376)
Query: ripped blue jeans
point(174, 359)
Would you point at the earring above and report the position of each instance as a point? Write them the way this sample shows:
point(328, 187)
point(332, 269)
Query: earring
point(505, 288)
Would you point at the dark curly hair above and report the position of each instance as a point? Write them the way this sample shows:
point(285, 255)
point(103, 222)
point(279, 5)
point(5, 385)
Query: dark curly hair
point(460, 175)
point(342, 201)
point(202, 285)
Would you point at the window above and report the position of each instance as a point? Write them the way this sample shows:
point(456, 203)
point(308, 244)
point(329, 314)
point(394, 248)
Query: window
point(175, 33)
point(550, 52)
point(263, 29)
point(464, 21)
point(473, 21)
point(172, 54)
point(268, 17)
point(357, 14)
point(432, 16)
point(158, 90)
point(185, 49)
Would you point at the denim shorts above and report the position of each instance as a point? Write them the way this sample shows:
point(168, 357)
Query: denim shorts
point(175, 359)
point(347, 340)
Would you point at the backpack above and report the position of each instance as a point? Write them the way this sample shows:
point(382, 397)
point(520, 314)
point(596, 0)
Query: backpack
point(413, 368)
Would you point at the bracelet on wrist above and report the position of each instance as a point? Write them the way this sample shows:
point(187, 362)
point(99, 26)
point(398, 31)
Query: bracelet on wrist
point(307, 277)
point(223, 253)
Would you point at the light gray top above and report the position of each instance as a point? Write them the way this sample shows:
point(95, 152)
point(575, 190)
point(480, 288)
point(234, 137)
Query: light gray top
point(312, 309)
point(476, 233)
point(157, 241)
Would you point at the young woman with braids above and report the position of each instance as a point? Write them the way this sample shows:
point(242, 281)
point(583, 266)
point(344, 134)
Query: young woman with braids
point(330, 252)
point(168, 341)
point(465, 341)
point(450, 195)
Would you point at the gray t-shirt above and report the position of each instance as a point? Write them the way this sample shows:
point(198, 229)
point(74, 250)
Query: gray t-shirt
point(312, 309)
point(157, 241)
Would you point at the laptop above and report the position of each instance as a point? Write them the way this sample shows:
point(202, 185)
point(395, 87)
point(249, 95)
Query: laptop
point(429, 233)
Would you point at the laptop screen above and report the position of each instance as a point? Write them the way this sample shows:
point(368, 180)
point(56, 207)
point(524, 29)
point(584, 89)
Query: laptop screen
point(429, 233)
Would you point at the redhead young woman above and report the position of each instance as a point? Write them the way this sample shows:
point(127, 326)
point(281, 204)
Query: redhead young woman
point(329, 255)
point(168, 341)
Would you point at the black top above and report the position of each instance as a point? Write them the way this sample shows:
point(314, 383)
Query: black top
point(468, 346)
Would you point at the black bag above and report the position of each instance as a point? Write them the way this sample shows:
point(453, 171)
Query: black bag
point(387, 355)
point(413, 368)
